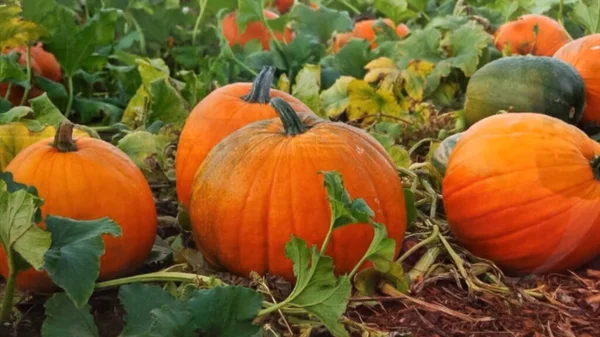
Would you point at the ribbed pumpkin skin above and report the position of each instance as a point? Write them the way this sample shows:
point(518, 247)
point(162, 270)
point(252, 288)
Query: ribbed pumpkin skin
point(519, 190)
point(254, 30)
point(96, 181)
point(243, 216)
point(584, 55)
point(220, 113)
point(522, 39)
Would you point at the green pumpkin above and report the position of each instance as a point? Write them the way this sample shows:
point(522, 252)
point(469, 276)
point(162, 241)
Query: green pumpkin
point(440, 157)
point(537, 84)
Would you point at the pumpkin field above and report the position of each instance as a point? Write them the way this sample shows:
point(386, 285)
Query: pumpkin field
point(313, 168)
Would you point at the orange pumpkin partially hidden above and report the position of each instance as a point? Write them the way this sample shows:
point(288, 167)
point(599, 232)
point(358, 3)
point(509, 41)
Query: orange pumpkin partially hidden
point(584, 55)
point(254, 30)
point(88, 179)
point(220, 113)
point(261, 185)
point(523, 190)
point(531, 34)
point(42, 63)
point(366, 29)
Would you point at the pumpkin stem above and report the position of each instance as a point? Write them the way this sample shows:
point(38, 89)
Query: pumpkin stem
point(595, 163)
point(261, 87)
point(63, 139)
point(291, 122)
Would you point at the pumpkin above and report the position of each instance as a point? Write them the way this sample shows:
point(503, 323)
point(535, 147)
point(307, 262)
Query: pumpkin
point(42, 63)
point(440, 157)
point(365, 29)
point(525, 84)
point(522, 191)
point(261, 184)
point(16, 136)
point(254, 30)
point(283, 6)
point(584, 55)
point(87, 179)
point(531, 34)
point(220, 113)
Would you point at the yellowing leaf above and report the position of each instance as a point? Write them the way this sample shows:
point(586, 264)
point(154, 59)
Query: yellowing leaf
point(379, 68)
point(307, 87)
point(14, 31)
point(284, 83)
point(400, 156)
point(415, 78)
point(367, 102)
point(335, 100)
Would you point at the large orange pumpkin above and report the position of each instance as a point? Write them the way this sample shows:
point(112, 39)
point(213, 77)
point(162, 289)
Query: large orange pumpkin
point(88, 179)
point(254, 30)
point(523, 190)
point(43, 63)
point(219, 114)
point(262, 184)
point(584, 55)
point(532, 34)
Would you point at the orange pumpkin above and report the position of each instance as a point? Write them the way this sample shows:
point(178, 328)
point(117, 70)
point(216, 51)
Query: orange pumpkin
point(584, 55)
point(261, 185)
point(283, 6)
point(219, 114)
point(88, 179)
point(365, 29)
point(254, 30)
point(42, 63)
point(532, 34)
point(523, 190)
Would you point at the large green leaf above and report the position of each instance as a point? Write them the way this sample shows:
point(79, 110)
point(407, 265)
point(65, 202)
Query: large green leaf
point(64, 319)
point(139, 300)
point(73, 260)
point(321, 23)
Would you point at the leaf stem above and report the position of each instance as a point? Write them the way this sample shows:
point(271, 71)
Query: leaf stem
point(272, 33)
point(160, 276)
point(424, 263)
point(351, 7)
point(431, 238)
point(28, 62)
point(138, 29)
point(8, 91)
point(198, 20)
point(70, 101)
point(9, 288)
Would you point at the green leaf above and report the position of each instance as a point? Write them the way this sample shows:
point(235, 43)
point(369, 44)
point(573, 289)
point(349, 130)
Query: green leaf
point(400, 156)
point(147, 151)
point(306, 88)
point(73, 260)
point(168, 105)
point(139, 300)
point(335, 100)
point(249, 11)
point(367, 102)
point(226, 311)
point(11, 71)
point(19, 208)
point(72, 45)
point(56, 92)
point(172, 320)
point(352, 58)
point(317, 290)
point(15, 114)
point(321, 23)
point(64, 319)
point(587, 13)
point(393, 9)
point(344, 210)
point(382, 248)
point(45, 112)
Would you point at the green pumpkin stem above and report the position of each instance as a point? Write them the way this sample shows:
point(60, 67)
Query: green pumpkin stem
point(289, 118)
point(261, 87)
point(63, 139)
point(595, 163)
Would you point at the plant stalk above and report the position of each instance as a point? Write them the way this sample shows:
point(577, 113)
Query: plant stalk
point(8, 89)
point(424, 263)
point(160, 276)
point(70, 101)
point(198, 20)
point(28, 62)
point(431, 238)
point(9, 289)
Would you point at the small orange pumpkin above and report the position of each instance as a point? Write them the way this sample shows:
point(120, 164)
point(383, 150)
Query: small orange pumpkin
point(365, 29)
point(523, 190)
point(254, 30)
point(219, 114)
point(283, 6)
point(584, 54)
point(532, 34)
point(43, 63)
point(88, 179)
point(261, 184)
